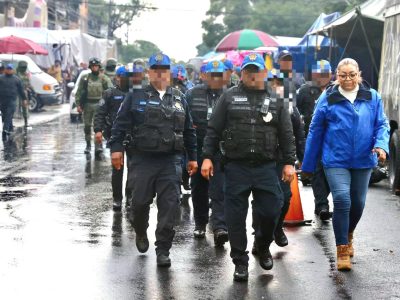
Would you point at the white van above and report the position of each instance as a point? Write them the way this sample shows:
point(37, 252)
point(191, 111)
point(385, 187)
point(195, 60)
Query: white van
point(75, 116)
point(46, 88)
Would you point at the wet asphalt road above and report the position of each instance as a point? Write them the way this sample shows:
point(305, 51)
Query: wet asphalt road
point(59, 239)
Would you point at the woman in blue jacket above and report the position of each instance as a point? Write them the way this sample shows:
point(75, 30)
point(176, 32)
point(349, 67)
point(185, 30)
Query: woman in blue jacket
point(350, 128)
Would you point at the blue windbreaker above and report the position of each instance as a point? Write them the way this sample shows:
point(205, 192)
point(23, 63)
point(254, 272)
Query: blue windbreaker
point(346, 133)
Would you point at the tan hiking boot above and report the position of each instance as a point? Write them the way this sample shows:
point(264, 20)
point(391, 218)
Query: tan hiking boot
point(343, 258)
point(351, 249)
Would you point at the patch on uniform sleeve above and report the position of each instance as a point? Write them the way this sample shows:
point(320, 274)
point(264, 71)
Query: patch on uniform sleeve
point(102, 102)
point(179, 106)
point(154, 102)
point(239, 99)
point(268, 117)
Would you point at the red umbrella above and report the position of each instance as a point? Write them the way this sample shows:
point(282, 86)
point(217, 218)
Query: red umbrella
point(246, 39)
point(17, 45)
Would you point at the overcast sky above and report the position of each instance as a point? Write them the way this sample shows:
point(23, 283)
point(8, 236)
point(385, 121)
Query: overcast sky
point(175, 27)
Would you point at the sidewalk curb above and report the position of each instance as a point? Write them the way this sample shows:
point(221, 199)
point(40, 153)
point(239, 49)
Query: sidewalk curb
point(37, 118)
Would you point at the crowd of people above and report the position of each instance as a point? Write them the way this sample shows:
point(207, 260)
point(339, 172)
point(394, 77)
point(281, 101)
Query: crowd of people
point(230, 132)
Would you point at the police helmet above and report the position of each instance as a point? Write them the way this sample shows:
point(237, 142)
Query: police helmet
point(111, 64)
point(94, 61)
point(139, 61)
point(22, 64)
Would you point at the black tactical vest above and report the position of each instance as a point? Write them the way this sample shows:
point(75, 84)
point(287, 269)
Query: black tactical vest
point(252, 127)
point(201, 108)
point(161, 122)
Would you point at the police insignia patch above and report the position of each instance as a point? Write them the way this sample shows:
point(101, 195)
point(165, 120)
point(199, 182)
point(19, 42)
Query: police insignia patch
point(178, 106)
point(159, 57)
point(267, 118)
point(252, 56)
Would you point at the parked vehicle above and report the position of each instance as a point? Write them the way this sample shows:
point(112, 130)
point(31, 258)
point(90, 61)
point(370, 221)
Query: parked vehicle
point(389, 87)
point(74, 115)
point(46, 90)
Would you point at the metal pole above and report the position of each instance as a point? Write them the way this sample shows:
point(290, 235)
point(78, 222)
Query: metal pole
point(371, 53)
point(348, 40)
point(109, 34)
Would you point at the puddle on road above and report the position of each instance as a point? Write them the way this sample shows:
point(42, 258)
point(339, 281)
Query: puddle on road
point(16, 187)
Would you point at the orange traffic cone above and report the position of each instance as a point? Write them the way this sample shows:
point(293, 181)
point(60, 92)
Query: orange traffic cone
point(295, 216)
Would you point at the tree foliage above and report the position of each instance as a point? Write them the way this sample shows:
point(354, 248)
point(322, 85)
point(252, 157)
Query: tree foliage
point(113, 15)
point(285, 17)
point(139, 49)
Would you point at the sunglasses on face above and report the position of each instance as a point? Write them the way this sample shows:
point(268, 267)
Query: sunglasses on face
point(344, 76)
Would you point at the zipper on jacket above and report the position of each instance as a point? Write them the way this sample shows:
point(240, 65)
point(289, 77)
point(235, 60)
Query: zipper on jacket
point(253, 121)
point(355, 132)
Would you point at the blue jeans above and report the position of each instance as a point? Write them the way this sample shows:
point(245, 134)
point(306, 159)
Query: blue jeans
point(349, 190)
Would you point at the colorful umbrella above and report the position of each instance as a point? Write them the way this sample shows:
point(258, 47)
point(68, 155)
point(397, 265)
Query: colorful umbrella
point(246, 39)
point(16, 45)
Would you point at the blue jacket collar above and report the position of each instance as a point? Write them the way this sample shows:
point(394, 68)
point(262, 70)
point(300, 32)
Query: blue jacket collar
point(334, 96)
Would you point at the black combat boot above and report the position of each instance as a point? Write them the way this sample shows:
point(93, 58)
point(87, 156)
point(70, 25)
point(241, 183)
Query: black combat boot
point(324, 214)
point(266, 261)
point(199, 231)
point(220, 237)
point(241, 273)
point(163, 260)
point(280, 237)
point(88, 147)
point(142, 243)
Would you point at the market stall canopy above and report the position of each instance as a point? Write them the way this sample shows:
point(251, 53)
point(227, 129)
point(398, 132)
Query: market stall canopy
point(360, 33)
point(246, 39)
point(69, 46)
point(320, 22)
point(16, 45)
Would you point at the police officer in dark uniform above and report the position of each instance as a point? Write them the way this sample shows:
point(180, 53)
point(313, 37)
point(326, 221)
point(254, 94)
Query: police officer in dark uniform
point(180, 82)
point(179, 79)
point(248, 126)
point(231, 77)
point(11, 87)
point(306, 99)
point(103, 120)
point(201, 100)
point(277, 91)
point(162, 129)
point(136, 74)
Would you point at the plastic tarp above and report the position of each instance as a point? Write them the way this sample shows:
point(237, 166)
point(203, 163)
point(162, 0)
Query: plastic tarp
point(360, 33)
point(70, 46)
point(315, 40)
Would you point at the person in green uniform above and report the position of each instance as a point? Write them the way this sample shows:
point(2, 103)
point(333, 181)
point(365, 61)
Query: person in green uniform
point(22, 73)
point(110, 67)
point(89, 93)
